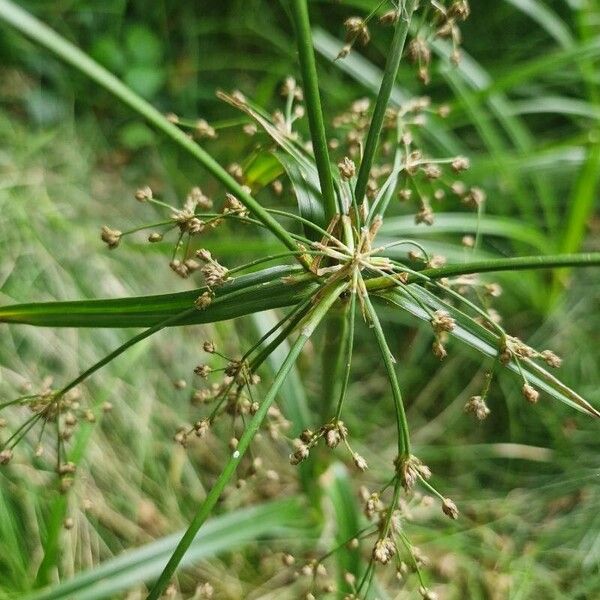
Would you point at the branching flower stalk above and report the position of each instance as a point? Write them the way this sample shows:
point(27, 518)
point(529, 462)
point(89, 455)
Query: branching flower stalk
point(390, 73)
point(333, 264)
point(318, 312)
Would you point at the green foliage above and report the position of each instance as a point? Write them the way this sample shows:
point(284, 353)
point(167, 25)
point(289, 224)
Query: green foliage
point(529, 126)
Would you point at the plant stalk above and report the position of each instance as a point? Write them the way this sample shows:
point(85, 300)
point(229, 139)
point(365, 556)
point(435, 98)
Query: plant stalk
point(308, 68)
point(387, 83)
point(388, 361)
point(205, 509)
point(332, 360)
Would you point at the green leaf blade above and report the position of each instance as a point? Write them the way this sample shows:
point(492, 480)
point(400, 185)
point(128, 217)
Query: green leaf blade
point(243, 295)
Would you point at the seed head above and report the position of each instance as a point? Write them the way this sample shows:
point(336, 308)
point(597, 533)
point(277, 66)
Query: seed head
point(357, 29)
point(404, 194)
point(347, 168)
point(67, 468)
point(179, 268)
point(460, 163)
point(250, 129)
point(214, 274)
point(419, 52)
point(233, 205)
point(428, 594)
point(423, 75)
point(203, 371)
point(410, 469)
point(442, 321)
point(551, 359)
point(201, 428)
point(477, 407)
point(155, 237)
point(209, 347)
point(439, 350)
point(360, 462)
point(389, 17)
point(372, 504)
point(143, 194)
point(204, 130)
point(70, 419)
point(493, 289)
point(235, 170)
point(468, 241)
point(301, 453)
point(181, 438)
point(203, 301)
point(291, 88)
point(335, 433)
point(344, 51)
point(205, 590)
point(111, 237)
point(6, 456)
point(475, 197)
point(432, 171)
point(530, 393)
point(277, 187)
point(197, 198)
point(204, 255)
point(384, 550)
point(307, 436)
point(460, 9)
point(450, 509)
point(425, 215)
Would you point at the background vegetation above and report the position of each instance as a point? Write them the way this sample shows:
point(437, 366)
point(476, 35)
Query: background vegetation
point(526, 109)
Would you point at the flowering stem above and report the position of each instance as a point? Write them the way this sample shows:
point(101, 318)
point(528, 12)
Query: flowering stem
point(388, 361)
point(314, 110)
point(205, 509)
point(43, 35)
point(387, 83)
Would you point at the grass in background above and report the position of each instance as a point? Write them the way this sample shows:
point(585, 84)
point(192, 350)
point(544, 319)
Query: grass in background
point(531, 527)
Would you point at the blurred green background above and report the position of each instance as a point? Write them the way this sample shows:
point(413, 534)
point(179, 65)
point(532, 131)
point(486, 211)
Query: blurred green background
point(526, 110)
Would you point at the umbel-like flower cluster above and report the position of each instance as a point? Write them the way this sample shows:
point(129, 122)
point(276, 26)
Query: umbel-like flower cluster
point(409, 176)
point(340, 258)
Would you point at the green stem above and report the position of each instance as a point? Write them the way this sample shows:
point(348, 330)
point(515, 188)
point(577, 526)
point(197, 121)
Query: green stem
point(314, 110)
point(383, 97)
point(205, 509)
point(388, 361)
point(332, 360)
point(43, 35)
point(518, 263)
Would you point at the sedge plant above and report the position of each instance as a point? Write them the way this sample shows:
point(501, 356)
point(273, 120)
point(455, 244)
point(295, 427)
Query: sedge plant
point(333, 269)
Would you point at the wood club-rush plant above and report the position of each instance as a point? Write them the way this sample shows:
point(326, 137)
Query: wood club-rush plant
point(334, 267)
